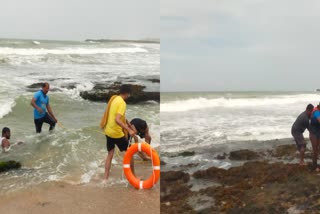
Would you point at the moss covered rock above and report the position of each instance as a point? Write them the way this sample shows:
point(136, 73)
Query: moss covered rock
point(8, 165)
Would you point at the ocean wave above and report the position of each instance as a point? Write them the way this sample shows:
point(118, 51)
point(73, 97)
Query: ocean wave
point(67, 51)
point(203, 103)
point(6, 106)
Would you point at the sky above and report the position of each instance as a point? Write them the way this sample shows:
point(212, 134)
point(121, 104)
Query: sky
point(240, 45)
point(79, 19)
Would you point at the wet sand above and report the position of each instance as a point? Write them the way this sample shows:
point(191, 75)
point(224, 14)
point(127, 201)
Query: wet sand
point(54, 197)
point(95, 197)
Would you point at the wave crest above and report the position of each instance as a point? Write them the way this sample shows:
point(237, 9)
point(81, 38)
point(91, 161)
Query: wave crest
point(203, 103)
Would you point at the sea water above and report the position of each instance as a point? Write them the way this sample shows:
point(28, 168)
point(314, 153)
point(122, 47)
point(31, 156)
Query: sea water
point(75, 151)
point(205, 122)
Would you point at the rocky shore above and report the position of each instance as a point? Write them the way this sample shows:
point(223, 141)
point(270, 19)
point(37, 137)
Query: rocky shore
point(142, 89)
point(103, 92)
point(268, 181)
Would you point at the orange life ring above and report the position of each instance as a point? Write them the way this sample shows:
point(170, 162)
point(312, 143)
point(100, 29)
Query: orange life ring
point(153, 179)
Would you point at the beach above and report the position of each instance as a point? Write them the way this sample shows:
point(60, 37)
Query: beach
point(234, 153)
point(53, 198)
point(73, 155)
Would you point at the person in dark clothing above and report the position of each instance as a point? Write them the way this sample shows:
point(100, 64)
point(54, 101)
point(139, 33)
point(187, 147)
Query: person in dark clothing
point(298, 127)
point(140, 127)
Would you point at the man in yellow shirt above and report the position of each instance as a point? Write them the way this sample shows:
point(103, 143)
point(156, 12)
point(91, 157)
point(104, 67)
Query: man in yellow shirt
point(115, 125)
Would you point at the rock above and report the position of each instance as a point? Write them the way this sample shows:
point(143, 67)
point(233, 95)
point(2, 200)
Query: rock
point(154, 80)
point(156, 41)
point(285, 151)
point(262, 187)
point(190, 165)
point(244, 154)
point(8, 165)
point(176, 176)
point(186, 153)
point(69, 85)
point(174, 189)
point(162, 163)
point(212, 172)
point(103, 92)
point(221, 156)
point(37, 86)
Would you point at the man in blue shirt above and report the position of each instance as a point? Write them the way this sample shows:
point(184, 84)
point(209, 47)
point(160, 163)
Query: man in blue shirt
point(40, 103)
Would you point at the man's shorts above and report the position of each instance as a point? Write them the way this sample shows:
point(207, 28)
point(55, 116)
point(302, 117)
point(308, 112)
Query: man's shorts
point(300, 142)
point(315, 131)
point(122, 143)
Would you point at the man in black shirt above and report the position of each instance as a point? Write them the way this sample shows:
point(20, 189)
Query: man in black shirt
point(298, 127)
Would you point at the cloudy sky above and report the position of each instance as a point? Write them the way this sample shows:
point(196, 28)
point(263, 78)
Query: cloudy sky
point(217, 45)
point(79, 19)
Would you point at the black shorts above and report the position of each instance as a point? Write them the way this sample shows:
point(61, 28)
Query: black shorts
point(122, 143)
point(315, 130)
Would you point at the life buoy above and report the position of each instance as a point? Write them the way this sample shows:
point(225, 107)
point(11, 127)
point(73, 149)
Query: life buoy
point(153, 179)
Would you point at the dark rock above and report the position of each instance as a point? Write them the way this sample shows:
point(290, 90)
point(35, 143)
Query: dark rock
point(162, 163)
point(244, 154)
point(176, 176)
point(221, 156)
point(8, 165)
point(190, 165)
point(37, 86)
point(69, 85)
point(285, 151)
point(212, 172)
point(175, 192)
point(156, 41)
point(103, 92)
point(154, 80)
point(262, 187)
point(186, 153)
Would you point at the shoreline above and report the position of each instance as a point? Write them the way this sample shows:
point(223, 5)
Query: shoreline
point(60, 197)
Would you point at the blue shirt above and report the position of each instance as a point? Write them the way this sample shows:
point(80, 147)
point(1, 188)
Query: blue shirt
point(42, 100)
point(316, 115)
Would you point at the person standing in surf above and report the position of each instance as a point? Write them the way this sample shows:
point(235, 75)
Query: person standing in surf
point(40, 103)
point(299, 126)
point(115, 126)
point(4, 140)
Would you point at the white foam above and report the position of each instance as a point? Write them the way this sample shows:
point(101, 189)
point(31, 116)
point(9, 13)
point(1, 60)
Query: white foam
point(203, 103)
point(36, 42)
point(67, 51)
point(6, 106)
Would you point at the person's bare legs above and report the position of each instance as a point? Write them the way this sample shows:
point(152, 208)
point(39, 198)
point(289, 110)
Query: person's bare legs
point(315, 147)
point(108, 164)
point(143, 156)
point(302, 150)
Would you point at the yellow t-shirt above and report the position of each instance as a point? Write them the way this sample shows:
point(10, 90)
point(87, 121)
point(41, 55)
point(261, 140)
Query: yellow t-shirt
point(118, 106)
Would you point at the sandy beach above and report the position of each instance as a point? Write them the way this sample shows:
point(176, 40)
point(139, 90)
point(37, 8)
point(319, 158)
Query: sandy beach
point(114, 196)
point(58, 197)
